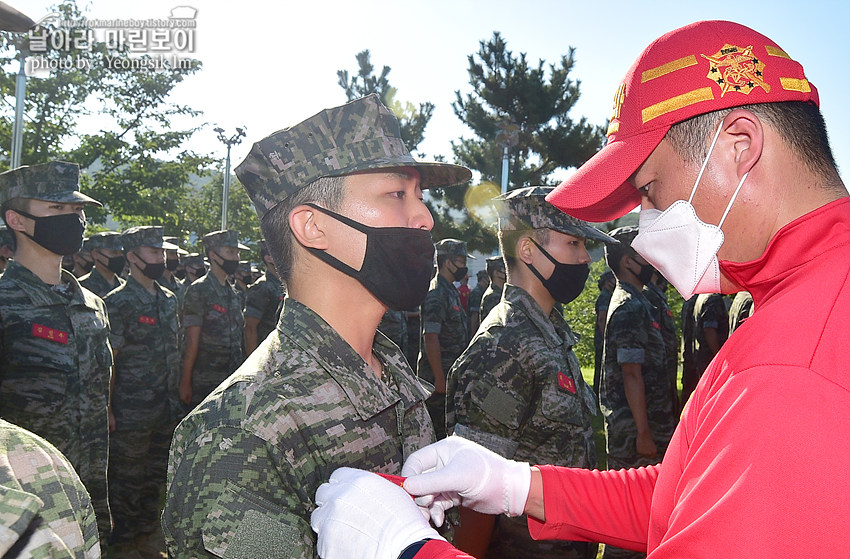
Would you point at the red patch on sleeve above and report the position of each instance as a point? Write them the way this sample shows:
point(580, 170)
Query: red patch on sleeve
point(219, 308)
point(566, 383)
point(51, 334)
point(656, 325)
point(147, 320)
point(669, 313)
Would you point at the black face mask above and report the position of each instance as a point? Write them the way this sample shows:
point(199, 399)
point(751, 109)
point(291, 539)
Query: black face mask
point(87, 265)
point(567, 280)
point(152, 271)
point(645, 274)
point(180, 274)
point(171, 264)
point(396, 267)
point(228, 266)
point(60, 234)
point(116, 264)
point(460, 272)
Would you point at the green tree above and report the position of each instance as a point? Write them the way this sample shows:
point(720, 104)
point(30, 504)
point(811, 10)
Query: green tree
point(137, 163)
point(412, 119)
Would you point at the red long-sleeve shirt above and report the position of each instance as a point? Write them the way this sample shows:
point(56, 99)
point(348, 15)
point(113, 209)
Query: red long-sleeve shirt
point(758, 465)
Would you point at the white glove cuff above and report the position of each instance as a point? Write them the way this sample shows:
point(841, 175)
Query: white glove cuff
point(517, 484)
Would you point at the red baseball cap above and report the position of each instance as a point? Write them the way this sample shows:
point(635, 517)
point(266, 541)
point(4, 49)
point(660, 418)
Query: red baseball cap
point(696, 69)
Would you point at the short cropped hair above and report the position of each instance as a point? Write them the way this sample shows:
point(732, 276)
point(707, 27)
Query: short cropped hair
point(508, 240)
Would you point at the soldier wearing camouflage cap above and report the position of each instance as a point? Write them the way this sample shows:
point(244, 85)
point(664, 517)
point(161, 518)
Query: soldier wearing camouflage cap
point(635, 392)
point(444, 326)
point(144, 339)
point(518, 389)
point(339, 201)
point(108, 256)
point(495, 267)
point(194, 266)
point(55, 357)
point(213, 320)
point(263, 303)
point(475, 297)
point(169, 278)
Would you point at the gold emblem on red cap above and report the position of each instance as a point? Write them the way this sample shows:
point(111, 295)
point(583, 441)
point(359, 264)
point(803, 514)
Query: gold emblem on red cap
point(736, 69)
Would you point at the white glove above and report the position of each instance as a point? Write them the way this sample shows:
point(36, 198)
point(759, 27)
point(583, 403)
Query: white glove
point(359, 515)
point(456, 471)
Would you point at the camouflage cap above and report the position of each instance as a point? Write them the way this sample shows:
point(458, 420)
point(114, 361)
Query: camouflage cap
point(145, 236)
point(625, 236)
point(56, 181)
point(358, 136)
point(494, 263)
point(108, 240)
point(7, 238)
point(526, 208)
point(226, 238)
point(193, 260)
point(452, 247)
point(176, 245)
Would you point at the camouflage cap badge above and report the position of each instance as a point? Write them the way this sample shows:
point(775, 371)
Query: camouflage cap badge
point(218, 239)
point(526, 208)
point(106, 240)
point(56, 181)
point(452, 247)
point(145, 236)
point(359, 136)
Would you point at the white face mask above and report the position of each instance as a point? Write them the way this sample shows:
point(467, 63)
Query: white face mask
point(680, 245)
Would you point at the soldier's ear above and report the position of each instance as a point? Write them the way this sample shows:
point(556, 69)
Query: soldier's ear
point(14, 220)
point(307, 225)
point(523, 249)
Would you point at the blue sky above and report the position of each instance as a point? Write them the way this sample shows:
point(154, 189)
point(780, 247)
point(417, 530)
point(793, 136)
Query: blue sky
point(268, 65)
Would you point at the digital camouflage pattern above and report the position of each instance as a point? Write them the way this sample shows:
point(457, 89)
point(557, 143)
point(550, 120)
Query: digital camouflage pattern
point(217, 309)
point(632, 335)
point(451, 248)
point(741, 309)
point(394, 326)
point(264, 301)
point(442, 314)
point(358, 136)
point(475, 296)
point(109, 240)
point(518, 390)
point(147, 370)
point(246, 463)
point(489, 300)
point(664, 316)
point(45, 511)
point(55, 365)
point(56, 181)
point(224, 238)
point(97, 284)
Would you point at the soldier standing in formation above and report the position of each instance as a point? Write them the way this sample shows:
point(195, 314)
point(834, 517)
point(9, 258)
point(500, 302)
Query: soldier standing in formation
point(325, 390)
point(106, 252)
point(55, 358)
point(444, 328)
point(495, 268)
point(172, 261)
point(212, 320)
point(144, 338)
point(518, 389)
point(263, 303)
point(710, 324)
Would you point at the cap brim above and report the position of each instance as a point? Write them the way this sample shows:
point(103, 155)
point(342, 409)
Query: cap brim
point(68, 197)
point(433, 174)
point(168, 246)
point(599, 190)
point(240, 246)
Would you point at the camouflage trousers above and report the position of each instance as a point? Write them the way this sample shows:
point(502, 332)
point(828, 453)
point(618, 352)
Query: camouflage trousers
point(137, 471)
point(511, 540)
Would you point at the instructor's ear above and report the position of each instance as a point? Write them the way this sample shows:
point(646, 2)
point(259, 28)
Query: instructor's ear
point(742, 140)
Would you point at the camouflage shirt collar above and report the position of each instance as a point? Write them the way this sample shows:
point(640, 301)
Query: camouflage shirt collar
point(39, 292)
point(552, 328)
point(133, 286)
point(301, 326)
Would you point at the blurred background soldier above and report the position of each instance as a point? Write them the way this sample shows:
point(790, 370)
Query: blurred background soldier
point(263, 303)
point(518, 389)
point(606, 285)
point(7, 247)
point(475, 297)
point(711, 329)
point(55, 358)
point(741, 309)
point(144, 340)
point(107, 254)
point(172, 261)
point(46, 510)
point(82, 262)
point(212, 321)
point(445, 332)
point(194, 266)
point(656, 293)
point(496, 270)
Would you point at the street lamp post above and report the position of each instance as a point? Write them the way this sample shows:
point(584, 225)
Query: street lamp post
point(225, 191)
point(16, 22)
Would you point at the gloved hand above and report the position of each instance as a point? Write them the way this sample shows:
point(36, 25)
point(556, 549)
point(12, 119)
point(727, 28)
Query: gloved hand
point(456, 471)
point(359, 515)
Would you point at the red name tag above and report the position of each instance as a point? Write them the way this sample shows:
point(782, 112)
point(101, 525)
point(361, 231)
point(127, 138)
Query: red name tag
point(398, 480)
point(219, 308)
point(669, 313)
point(147, 320)
point(656, 325)
point(566, 383)
point(51, 334)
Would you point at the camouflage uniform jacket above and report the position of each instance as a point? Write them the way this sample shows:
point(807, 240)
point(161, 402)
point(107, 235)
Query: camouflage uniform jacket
point(147, 359)
point(664, 316)
point(633, 335)
point(246, 463)
point(263, 302)
point(475, 297)
point(175, 286)
point(95, 282)
point(54, 372)
point(489, 300)
point(709, 312)
point(443, 314)
point(518, 389)
point(45, 511)
point(217, 309)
